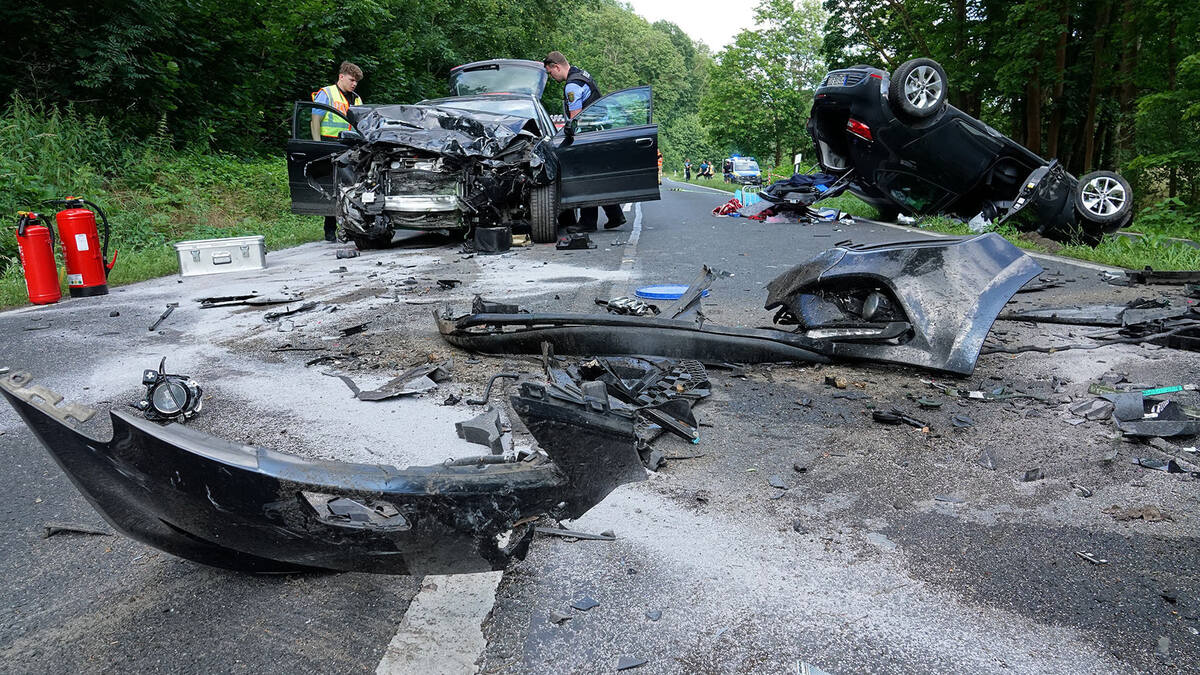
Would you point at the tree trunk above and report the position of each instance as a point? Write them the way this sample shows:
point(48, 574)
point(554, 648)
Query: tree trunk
point(1089, 126)
point(1129, 49)
point(1033, 106)
point(1172, 65)
point(1060, 69)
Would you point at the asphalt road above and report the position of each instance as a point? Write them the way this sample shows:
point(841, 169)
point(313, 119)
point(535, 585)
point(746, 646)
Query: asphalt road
point(893, 551)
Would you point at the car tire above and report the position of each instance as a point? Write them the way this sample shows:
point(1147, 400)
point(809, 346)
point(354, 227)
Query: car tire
point(543, 213)
point(1104, 198)
point(918, 88)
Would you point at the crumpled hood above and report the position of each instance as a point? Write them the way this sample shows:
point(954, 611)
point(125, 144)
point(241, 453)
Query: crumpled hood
point(447, 131)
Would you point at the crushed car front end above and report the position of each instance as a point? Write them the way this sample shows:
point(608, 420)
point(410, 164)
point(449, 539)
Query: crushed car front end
point(437, 167)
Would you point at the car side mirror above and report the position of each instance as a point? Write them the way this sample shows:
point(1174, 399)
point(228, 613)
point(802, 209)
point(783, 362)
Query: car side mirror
point(351, 137)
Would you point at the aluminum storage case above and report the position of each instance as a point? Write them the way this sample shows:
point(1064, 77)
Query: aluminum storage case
point(214, 256)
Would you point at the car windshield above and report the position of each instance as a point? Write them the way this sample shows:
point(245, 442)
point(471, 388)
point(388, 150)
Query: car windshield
point(493, 78)
point(745, 165)
point(499, 106)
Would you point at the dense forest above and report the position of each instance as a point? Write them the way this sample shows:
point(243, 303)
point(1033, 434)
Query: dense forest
point(1097, 83)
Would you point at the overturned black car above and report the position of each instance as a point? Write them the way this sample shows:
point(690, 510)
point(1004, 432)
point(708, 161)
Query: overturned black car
point(488, 156)
point(903, 149)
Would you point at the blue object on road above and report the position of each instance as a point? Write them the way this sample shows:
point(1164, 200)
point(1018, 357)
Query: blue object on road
point(664, 292)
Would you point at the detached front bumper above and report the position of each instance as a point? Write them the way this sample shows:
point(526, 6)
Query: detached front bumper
point(251, 509)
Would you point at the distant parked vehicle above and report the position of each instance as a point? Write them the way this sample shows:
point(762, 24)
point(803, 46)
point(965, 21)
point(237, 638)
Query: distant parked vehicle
point(903, 149)
point(743, 170)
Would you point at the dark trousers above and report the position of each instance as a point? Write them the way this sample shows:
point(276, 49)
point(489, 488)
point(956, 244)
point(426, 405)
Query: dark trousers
point(589, 214)
point(687, 173)
point(330, 228)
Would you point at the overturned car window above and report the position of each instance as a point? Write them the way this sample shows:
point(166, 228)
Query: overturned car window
point(629, 108)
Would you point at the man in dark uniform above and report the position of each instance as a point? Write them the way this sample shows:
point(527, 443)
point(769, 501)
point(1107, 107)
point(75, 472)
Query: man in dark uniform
point(580, 92)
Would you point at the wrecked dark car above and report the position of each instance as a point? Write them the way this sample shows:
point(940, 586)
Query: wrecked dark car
point(251, 509)
point(488, 156)
point(927, 303)
point(905, 150)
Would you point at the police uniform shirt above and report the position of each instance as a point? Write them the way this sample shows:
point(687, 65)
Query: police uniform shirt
point(576, 93)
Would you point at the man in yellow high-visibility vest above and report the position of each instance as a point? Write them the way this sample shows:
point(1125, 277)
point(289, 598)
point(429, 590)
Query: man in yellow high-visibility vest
point(340, 96)
point(326, 126)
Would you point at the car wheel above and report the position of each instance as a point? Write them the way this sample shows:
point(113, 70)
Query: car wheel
point(1103, 197)
point(918, 88)
point(543, 213)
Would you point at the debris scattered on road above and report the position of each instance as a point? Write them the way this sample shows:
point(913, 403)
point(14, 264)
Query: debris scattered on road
point(447, 284)
point(1083, 491)
point(114, 313)
point(452, 399)
point(628, 306)
point(248, 300)
point(777, 481)
point(1033, 475)
point(170, 308)
point(169, 398)
point(487, 391)
point(574, 241)
point(950, 499)
point(1091, 558)
point(962, 421)
point(897, 416)
point(987, 459)
point(413, 381)
point(558, 617)
point(344, 253)
point(353, 330)
point(575, 534)
point(272, 316)
point(584, 604)
point(654, 614)
point(1168, 466)
point(53, 528)
point(483, 429)
point(835, 381)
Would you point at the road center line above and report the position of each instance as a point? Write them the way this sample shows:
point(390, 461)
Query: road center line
point(629, 257)
point(441, 633)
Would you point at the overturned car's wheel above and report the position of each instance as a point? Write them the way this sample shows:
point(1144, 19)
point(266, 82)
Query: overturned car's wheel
point(918, 88)
point(1104, 198)
point(543, 213)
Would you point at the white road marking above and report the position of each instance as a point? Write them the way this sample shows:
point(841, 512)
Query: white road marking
point(626, 206)
point(630, 255)
point(441, 632)
point(1032, 254)
point(705, 187)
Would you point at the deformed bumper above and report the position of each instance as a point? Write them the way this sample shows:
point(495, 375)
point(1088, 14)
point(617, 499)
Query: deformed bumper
point(244, 508)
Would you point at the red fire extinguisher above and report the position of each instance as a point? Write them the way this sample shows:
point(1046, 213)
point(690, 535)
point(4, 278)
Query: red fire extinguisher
point(35, 247)
point(87, 273)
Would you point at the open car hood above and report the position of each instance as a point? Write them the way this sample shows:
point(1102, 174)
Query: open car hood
point(498, 76)
point(244, 508)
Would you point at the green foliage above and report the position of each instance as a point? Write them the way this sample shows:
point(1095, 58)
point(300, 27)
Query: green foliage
point(153, 195)
point(761, 84)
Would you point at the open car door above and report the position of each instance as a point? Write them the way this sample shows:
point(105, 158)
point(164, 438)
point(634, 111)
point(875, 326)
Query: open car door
point(608, 153)
point(312, 158)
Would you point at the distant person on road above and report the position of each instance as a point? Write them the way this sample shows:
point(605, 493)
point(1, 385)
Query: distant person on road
point(660, 160)
point(325, 126)
point(687, 169)
point(580, 92)
point(727, 169)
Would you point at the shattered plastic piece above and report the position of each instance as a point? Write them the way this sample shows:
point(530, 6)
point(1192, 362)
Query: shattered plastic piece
point(777, 481)
point(584, 604)
point(448, 283)
point(558, 617)
point(1033, 475)
point(344, 253)
point(950, 499)
point(412, 381)
point(51, 529)
point(574, 241)
point(987, 460)
point(1127, 406)
point(1169, 466)
point(1095, 409)
point(630, 662)
point(1083, 492)
point(452, 399)
point(628, 306)
point(353, 330)
point(483, 429)
point(1170, 420)
point(654, 614)
point(897, 416)
point(962, 421)
point(238, 507)
point(271, 316)
point(574, 534)
point(1152, 276)
point(1091, 558)
point(170, 308)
